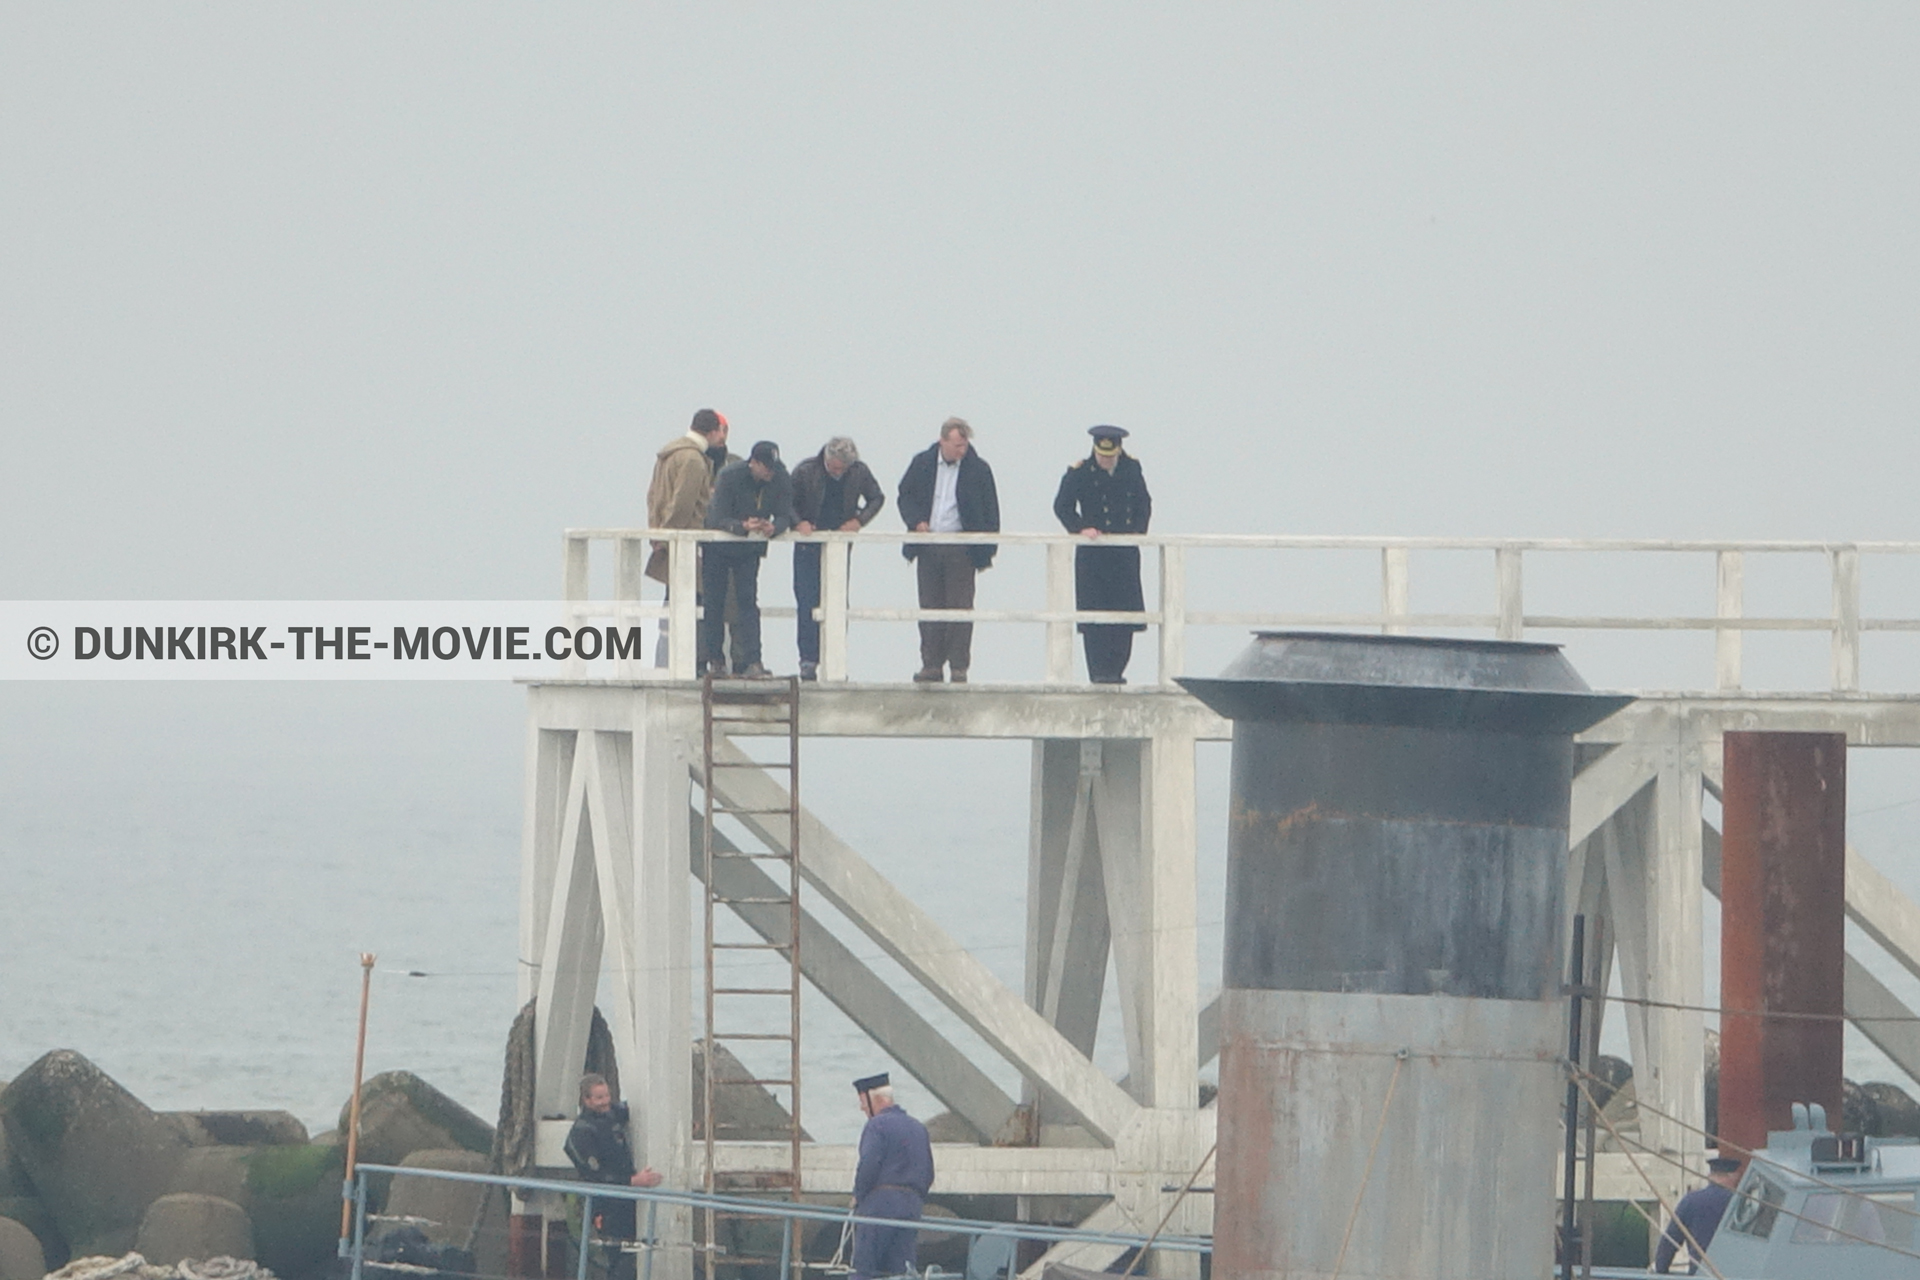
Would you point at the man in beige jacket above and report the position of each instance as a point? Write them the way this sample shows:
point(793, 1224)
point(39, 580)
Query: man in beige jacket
point(681, 487)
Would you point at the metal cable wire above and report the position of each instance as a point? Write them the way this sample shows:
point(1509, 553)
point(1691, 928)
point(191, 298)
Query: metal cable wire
point(1781, 1015)
point(1725, 1144)
point(1366, 1174)
point(1681, 1165)
point(1168, 1216)
point(1693, 1243)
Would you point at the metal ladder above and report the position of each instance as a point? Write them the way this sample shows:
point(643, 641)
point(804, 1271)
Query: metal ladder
point(728, 706)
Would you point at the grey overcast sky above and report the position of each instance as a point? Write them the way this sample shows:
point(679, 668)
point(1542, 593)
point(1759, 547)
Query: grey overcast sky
point(367, 300)
point(372, 300)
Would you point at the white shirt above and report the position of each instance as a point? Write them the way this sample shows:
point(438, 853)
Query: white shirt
point(946, 497)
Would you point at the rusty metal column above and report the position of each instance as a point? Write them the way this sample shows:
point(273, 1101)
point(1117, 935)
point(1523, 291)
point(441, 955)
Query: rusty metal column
point(1393, 1020)
point(1783, 850)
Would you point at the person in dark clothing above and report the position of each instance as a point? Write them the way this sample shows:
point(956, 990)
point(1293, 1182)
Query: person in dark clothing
point(892, 1181)
point(831, 490)
point(598, 1147)
point(948, 489)
point(1103, 493)
point(752, 500)
point(719, 458)
point(1700, 1211)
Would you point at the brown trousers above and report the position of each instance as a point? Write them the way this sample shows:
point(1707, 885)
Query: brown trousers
point(946, 582)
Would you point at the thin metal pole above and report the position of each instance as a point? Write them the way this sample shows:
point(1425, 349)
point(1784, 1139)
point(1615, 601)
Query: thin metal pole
point(709, 1055)
point(1574, 1009)
point(791, 1261)
point(359, 1186)
point(653, 1239)
point(359, 1068)
point(586, 1234)
point(1598, 981)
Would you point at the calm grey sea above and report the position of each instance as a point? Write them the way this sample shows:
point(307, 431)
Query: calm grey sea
point(187, 873)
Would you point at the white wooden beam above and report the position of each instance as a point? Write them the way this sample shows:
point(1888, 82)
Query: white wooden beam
point(860, 993)
point(1883, 1018)
point(1678, 1082)
point(608, 828)
point(549, 770)
point(1644, 860)
point(1076, 869)
point(570, 960)
point(657, 789)
point(919, 945)
point(1888, 916)
point(1602, 788)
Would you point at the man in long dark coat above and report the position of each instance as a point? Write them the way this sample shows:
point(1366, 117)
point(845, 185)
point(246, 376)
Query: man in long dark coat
point(948, 489)
point(1104, 493)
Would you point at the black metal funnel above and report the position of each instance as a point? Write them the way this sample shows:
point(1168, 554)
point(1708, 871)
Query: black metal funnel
point(1399, 812)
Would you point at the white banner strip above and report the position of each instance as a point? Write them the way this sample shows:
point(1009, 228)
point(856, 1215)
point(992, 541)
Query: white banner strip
point(328, 639)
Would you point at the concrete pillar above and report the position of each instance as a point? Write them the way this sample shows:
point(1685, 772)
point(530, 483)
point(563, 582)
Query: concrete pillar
point(1067, 931)
point(1782, 928)
point(657, 792)
point(1392, 1014)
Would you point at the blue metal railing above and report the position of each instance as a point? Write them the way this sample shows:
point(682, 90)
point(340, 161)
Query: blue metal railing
point(786, 1210)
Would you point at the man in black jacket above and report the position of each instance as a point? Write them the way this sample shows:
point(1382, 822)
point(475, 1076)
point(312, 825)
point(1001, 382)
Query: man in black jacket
point(1105, 492)
point(754, 501)
point(948, 489)
point(598, 1147)
point(833, 490)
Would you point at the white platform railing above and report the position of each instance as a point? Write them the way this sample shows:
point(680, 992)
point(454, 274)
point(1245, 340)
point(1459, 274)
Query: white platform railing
point(1507, 619)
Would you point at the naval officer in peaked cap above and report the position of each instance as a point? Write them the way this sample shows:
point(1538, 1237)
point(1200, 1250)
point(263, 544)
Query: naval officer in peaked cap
point(1104, 493)
point(895, 1174)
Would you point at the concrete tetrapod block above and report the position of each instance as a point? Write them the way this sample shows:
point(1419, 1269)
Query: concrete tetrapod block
point(400, 1114)
point(465, 1215)
point(187, 1225)
point(13, 1174)
point(96, 1155)
point(291, 1194)
point(21, 1257)
point(31, 1214)
point(240, 1128)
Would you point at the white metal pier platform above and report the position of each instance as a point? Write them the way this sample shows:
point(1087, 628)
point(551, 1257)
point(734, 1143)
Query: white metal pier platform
point(612, 767)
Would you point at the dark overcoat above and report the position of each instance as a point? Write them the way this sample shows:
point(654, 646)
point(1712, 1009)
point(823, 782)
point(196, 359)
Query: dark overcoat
point(861, 492)
point(597, 1146)
point(1117, 501)
point(974, 493)
point(738, 495)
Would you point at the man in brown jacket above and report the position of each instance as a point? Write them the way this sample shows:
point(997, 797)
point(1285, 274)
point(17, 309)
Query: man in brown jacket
point(682, 484)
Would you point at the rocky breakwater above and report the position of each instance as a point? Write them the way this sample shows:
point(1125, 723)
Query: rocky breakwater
point(88, 1170)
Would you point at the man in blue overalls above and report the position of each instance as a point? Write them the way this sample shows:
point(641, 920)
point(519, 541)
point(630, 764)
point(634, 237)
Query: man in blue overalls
point(895, 1174)
point(1701, 1212)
